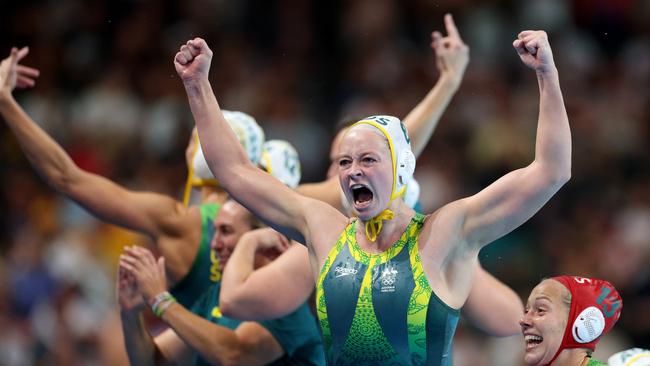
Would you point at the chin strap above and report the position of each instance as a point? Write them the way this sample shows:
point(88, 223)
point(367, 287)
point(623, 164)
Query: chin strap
point(374, 225)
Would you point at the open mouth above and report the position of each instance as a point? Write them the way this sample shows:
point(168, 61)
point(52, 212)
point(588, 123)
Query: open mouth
point(532, 341)
point(361, 194)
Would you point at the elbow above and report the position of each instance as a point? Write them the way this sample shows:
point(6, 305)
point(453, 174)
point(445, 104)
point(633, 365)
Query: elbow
point(227, 306)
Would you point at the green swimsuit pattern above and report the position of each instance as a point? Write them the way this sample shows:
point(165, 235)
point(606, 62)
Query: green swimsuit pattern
point(379, 309)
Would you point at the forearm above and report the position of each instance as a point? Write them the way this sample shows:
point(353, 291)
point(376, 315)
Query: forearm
point(240, 267)
point(553, 146)
point(220, 145)
point(45, 155)
point(217, 344)
point(139, 345)
point(424, 118)
point(492, 306)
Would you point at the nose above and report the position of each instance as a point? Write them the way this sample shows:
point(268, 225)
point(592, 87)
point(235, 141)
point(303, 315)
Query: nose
point(525, 321)
point(355, 170)
point(217, 242)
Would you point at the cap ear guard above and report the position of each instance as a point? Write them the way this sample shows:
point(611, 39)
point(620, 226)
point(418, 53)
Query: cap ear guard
point(588, 325)
point(412, 193)
point(280, 159)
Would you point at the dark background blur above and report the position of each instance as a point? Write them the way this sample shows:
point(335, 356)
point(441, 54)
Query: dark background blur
point(108, 93)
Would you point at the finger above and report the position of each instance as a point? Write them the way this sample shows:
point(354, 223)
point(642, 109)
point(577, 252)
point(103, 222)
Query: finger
point(202, 45)
point(22, 53)
point(435, 39)
point(525, 33)
point(518, 44)
point(23, 82)
point(161, 265)
point(452, 31)
point(195, 51)
point(127, 266)
point(531, 46)
point(27, 71)
point(186, 52)
point(180, 58)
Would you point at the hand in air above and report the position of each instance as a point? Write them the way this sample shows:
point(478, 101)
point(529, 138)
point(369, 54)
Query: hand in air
point(13, 75)
point(534, 50)
point(193, 60)
point(452, 54)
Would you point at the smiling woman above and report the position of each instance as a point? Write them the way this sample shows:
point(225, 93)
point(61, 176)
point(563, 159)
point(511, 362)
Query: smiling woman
point(566, 317)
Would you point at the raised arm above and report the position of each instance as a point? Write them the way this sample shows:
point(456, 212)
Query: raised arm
point(247, 293)
point(148, 213)
point(452, 56)
point(249, 344)
point(262, 194)
point(492, 306)
point(514, 198)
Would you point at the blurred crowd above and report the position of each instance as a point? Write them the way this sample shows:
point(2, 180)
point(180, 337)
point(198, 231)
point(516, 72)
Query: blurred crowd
point(109, 95)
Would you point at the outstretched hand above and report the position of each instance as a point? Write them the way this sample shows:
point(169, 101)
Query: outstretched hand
point(148, 273)
point(13, 75)
point(452, 54)
point(193, 60)
point(534, 50)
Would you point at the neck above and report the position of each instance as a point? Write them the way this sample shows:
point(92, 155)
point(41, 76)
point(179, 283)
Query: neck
point(571, 357)
point(391, 229)
point(213, 195)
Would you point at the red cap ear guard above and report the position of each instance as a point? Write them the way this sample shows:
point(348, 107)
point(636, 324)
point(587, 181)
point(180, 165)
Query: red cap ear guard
point(595, 308)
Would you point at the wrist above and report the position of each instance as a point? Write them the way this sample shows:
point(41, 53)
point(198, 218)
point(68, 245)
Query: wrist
point(196, 85)
point(161, 302)
point(547, 73)
point(6, 98)
point(450, 80)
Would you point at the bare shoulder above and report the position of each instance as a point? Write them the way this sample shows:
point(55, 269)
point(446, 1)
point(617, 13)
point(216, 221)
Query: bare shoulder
point(442, 230)
point(325, 226)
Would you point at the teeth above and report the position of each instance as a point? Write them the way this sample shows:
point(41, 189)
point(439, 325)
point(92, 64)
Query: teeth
point(355, 186)
point(530, 338)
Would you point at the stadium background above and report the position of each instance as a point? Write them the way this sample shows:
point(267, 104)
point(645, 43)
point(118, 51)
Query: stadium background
point(109, 94)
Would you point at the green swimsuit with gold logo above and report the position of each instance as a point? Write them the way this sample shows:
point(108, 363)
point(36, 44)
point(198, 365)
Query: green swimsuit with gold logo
point(379, 309)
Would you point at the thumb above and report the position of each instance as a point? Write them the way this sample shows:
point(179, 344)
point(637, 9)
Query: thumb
point(161, 264)
point(13, 56)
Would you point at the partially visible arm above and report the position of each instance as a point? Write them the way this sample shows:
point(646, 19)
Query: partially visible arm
point(247, 293)
point(249, 344)
point(452, 56)
point(514, 198)
point(149, 213)
point(139, 345)
point(328, 191)
point(492, 306)
point(253, 345)
point(258, 191)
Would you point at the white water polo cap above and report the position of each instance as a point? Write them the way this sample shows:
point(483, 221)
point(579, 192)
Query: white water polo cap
point(251, 137)
point(280, 159)
point(400, 148)
point(412, 194)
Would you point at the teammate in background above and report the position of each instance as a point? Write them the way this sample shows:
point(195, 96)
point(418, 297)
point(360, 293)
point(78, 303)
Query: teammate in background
point(202, 335)
point(182, 234)
point(566, 317)
point(410, 272)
